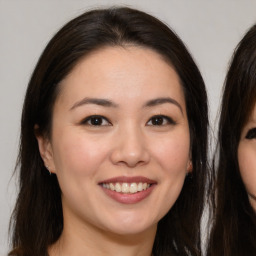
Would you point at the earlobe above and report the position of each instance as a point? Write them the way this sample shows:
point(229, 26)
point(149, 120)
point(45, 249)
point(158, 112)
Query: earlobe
point(46, 152)
point(189, 166)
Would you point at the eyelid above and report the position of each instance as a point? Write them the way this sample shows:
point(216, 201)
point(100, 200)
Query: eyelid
point(89, 118)
point(251, 134)
point(168, 120)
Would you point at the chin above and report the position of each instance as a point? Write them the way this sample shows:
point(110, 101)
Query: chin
point(131, 226)
point(121, 231)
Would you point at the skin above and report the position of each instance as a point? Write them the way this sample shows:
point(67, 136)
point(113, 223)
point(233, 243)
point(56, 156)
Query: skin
point(247, 159)
point(127, 144)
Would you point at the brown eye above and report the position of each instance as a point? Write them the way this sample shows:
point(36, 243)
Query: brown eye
point(160, 120)
point(96, 121)
point(251, 134)
point(157, 120)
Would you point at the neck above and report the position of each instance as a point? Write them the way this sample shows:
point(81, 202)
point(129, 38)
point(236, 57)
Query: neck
point(92, 241)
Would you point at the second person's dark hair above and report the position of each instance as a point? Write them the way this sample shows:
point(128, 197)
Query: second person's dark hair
point(234, 223)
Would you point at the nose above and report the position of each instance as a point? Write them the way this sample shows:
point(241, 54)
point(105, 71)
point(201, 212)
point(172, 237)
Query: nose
point(130, 148)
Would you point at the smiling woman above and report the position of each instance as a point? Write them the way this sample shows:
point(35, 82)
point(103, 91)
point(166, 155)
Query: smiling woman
point(123, 144)
point(116, 111)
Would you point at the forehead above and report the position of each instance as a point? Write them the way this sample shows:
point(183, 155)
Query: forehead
point(117, 58)
point(131, 69)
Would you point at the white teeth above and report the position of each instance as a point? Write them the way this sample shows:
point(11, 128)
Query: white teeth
point(112, 186)
point(144, 186)
point(126, 188)
point(118, 187)
point(133, 188)
point(140, 188)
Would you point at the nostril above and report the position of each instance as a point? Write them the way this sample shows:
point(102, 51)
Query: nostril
point(130, 148)
point(130, 159)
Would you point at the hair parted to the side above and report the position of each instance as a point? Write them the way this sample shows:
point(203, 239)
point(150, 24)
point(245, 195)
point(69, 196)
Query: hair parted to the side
point(37, 220)
point(234, 223)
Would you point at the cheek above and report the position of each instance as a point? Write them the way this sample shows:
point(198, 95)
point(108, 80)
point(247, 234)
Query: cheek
point(172, 156)
point(173, 153)
point(78, 154)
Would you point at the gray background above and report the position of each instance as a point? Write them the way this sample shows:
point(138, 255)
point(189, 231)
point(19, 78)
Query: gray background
point(210, 29)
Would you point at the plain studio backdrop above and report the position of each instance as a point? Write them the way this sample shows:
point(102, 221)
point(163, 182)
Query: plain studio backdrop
point(210, 29)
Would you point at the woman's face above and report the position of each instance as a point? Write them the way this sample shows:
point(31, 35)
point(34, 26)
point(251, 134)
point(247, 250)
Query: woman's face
point(247, 157)
point(120, 141)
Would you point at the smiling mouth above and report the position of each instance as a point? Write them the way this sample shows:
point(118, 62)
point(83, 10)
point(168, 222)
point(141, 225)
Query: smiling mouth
point(126, 188)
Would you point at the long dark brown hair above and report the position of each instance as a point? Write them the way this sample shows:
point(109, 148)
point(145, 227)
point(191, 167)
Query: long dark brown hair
point(234, 223)
point(37, 220)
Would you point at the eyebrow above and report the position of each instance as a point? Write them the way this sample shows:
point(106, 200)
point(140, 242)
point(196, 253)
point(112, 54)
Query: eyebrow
point(108, 103)
point(160, 101)
point(96, 101)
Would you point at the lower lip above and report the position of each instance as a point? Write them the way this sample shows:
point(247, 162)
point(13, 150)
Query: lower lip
point(132, 198)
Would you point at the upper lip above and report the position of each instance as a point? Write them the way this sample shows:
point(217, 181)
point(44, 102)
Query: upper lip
point(126, 179)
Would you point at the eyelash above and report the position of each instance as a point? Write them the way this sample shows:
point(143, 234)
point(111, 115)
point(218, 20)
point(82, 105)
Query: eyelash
point(251, 134)
point(157, 120)
point(164, 120)
point(100, 119)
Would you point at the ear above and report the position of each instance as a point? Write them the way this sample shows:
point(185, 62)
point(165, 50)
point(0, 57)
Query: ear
point(189, 166)
point(45, 149)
